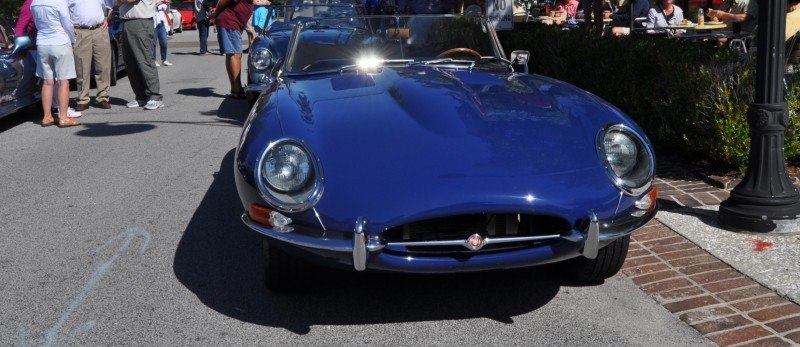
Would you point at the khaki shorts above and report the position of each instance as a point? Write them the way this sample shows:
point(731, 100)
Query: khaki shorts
point(55, 62)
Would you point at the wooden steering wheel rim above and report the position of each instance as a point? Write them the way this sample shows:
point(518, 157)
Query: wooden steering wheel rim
point(458, 50)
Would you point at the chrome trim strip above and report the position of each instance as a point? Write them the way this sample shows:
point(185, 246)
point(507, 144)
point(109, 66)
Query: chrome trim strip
point(359, 246)
point(591, 243)
point(486, 241)
point(299, 239)
point(319, 219)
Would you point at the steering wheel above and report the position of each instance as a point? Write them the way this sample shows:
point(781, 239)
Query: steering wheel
point(458, 51)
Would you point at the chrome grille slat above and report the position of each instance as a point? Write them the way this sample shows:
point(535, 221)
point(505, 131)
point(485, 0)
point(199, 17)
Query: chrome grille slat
point(487, 241)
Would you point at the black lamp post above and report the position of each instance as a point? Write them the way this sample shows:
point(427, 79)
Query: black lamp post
point(765, 198)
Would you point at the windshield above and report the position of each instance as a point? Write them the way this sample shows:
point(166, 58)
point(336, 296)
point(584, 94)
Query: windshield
point(282, 17)
point(430, 39)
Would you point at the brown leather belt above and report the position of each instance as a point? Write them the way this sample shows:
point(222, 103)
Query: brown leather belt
point(87, 27)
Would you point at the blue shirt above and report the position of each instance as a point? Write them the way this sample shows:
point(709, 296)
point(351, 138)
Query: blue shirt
point(260, 17)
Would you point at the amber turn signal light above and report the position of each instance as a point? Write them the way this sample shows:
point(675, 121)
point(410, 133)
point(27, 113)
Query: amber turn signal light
point(259, 214)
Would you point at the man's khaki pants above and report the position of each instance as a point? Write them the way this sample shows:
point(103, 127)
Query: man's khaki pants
point(93, 44)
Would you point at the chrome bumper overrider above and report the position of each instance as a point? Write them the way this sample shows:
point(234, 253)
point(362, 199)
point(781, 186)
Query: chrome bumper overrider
point(255, 88)
point(360, 245)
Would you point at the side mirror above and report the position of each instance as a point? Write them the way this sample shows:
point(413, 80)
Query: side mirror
point(21, 43)
point(520, 58)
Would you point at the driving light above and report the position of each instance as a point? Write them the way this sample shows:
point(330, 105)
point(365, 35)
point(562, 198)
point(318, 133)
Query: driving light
point(627, 157)
point(261, 59)
point(289, 177)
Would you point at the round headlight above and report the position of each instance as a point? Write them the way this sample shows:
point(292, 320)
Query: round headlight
point(287, 168)
point(289, 176)
point(261, 58)
point(620, 152)
point(628, 160)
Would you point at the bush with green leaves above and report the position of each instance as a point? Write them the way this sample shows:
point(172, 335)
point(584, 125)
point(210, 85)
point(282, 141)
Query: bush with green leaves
point(690, 97)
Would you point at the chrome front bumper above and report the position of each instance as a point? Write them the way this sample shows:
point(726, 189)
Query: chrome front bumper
point(360, 245)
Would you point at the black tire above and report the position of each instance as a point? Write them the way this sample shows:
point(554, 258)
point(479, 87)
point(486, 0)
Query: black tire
point(608, 262)
point(284, 273)
point(113, 67)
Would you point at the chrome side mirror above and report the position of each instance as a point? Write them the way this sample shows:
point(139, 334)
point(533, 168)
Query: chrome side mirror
point(21, 43)
point(520, 58)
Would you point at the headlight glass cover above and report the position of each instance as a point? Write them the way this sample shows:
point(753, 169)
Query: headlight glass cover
point(629, 162)
point(289, 176)
point(261, 59)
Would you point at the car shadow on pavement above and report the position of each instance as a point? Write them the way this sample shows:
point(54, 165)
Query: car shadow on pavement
point(219, 260)
point(28, 114)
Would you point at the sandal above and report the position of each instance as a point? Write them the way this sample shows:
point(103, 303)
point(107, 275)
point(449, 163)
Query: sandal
point(67, 122)
point(239, 96)
point(47, 123)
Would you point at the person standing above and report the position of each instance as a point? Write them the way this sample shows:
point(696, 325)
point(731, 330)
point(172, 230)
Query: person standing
point(160, 34)
point(26, 27)
point(54, 41)
point(231, 17)
point(92, 44)
point(201, 17)
point(137, 50)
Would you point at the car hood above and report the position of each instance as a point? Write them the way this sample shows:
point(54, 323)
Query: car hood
point(419, 142)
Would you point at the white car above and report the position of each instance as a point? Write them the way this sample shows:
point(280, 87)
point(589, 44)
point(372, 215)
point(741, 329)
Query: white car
point(177, 22)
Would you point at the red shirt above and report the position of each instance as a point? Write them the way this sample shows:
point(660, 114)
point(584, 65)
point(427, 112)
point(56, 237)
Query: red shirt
point(25, 25)
point(236, 15)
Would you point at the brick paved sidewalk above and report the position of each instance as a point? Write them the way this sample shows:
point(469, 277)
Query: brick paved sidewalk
point(726, 306)
point(718, 301)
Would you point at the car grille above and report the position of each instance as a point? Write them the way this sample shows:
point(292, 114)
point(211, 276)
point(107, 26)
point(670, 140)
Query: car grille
point(416, 237)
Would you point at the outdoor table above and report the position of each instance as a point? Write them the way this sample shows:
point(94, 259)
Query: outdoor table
point(548, 20)
point(695, 27)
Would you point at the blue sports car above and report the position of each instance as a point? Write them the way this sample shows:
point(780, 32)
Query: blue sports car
point(412, 144)
point(270, 46)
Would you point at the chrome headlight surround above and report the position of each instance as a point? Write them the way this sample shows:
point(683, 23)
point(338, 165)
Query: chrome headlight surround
point(639, 177)
point(261, 59)
point(297, 200)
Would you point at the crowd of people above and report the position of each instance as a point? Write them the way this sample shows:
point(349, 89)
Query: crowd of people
point(71, 41)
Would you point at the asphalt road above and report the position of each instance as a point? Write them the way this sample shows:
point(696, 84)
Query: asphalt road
point(126, 231)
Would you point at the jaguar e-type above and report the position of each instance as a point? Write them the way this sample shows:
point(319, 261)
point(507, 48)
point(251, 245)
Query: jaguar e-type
point(412, 144)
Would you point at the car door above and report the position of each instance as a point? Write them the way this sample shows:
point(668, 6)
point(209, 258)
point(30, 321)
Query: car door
point(10, 71)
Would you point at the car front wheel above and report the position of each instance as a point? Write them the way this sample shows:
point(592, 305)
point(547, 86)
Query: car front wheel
point(284, 272)
point(608, 262)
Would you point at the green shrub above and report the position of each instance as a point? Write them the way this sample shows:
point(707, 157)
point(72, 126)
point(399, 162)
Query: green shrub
point(690, 97)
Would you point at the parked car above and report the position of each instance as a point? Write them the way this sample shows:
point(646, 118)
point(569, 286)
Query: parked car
point(10, 73)
point(414, 145)
point(186, 10)
point(270, 46)
point(177, 21)
point(116, 38)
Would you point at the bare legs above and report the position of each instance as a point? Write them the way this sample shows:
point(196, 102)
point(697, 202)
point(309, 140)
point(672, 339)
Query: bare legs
point(63, 103)
point(233, 63)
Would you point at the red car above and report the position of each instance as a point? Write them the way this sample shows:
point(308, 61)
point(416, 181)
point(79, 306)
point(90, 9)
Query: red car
point(186, 9)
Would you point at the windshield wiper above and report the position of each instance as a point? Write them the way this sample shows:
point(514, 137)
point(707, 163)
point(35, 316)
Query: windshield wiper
point(441, 61)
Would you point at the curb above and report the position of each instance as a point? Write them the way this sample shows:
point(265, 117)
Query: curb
point(721, 303)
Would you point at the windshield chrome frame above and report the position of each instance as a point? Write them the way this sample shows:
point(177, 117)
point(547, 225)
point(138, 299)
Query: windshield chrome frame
point(295, 38)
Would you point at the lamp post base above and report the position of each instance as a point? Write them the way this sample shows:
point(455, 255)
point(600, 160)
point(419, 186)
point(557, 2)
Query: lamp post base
point(737, 216)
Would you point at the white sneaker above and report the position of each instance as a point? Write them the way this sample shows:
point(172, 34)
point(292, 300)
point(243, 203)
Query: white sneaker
point(136, 103)
point(157, 64)
point(71, 113)
point(167, 63)
point(153, 104)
